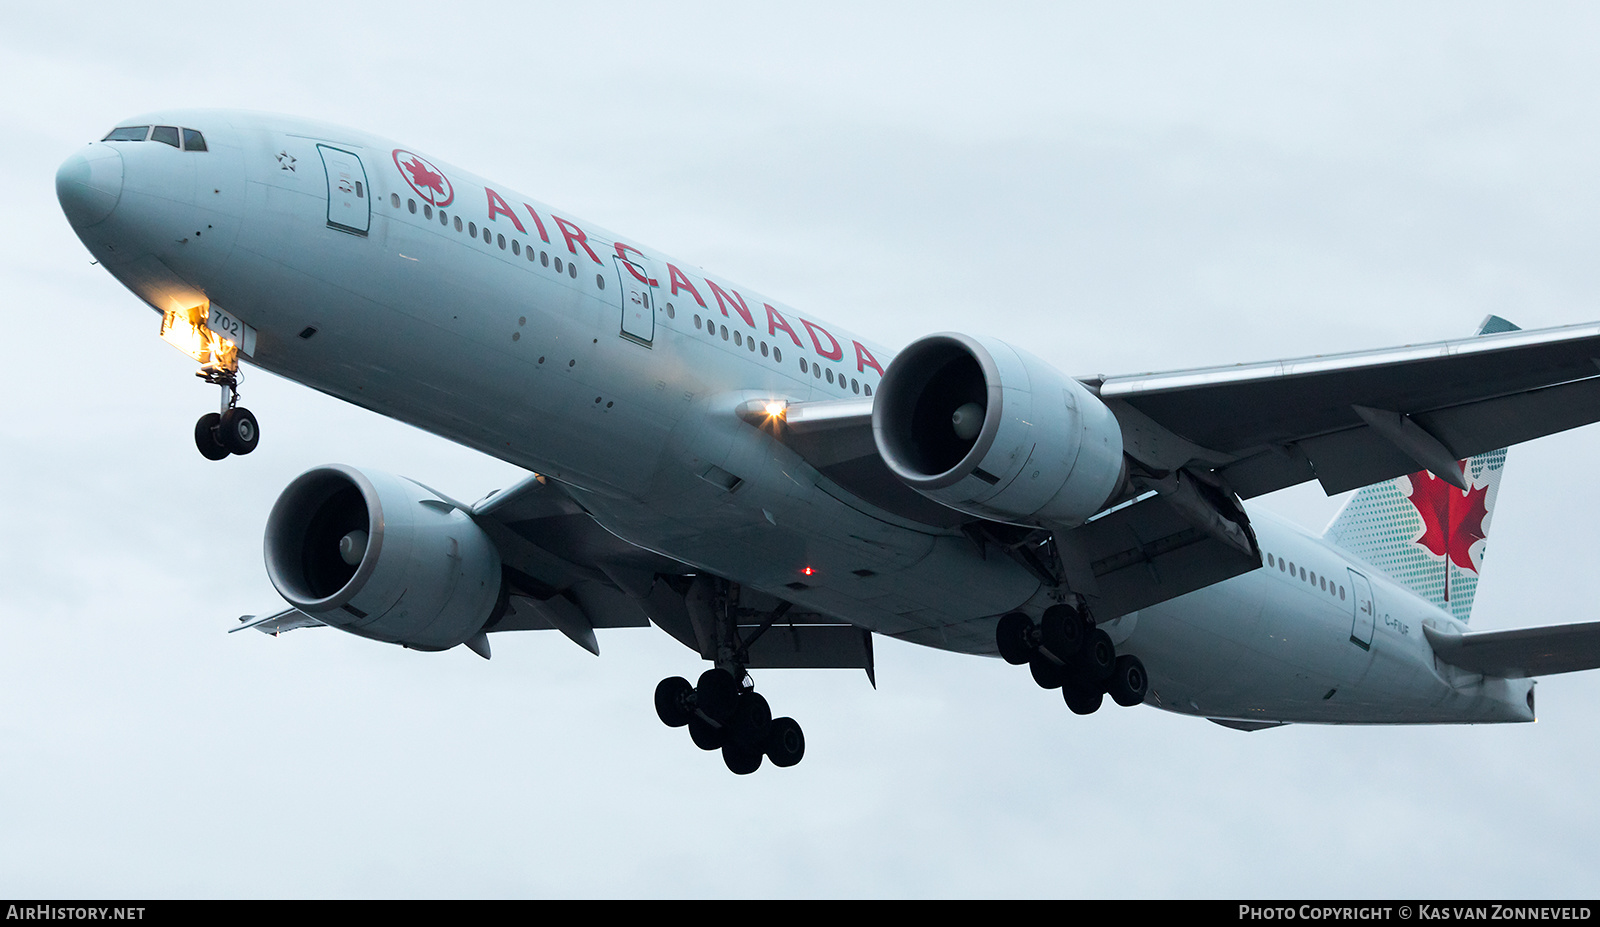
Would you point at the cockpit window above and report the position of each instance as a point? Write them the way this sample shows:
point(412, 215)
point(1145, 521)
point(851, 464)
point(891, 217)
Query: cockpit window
point(166, 135)
point(193, 141)
point(127, 134)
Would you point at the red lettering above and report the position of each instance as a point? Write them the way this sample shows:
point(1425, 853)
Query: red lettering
point(776, 321)
point(574, 234)
point(678, 278)
point(629, 264)
point(836, 354)
point(723, 299)
point(864, 359)
point(498, 207)
point(538, 223)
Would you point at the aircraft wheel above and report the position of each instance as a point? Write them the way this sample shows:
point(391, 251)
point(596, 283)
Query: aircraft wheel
point(706, 736)
point(752, 719)
point(1082, 701)
point(1128, 683)
point(205, 437)
point(716, 694)
point(238, 431)
point(1047, 673)
point(1098, 658)
point(741, 760)
point(672, 701)
point(1062, 631)
point(786, 744)
point(1011, 636)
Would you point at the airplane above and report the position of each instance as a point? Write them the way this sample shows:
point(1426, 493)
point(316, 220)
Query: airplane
point(773, 491)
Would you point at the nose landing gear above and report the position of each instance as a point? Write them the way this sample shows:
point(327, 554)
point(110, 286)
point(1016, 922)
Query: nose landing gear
point(233, 430)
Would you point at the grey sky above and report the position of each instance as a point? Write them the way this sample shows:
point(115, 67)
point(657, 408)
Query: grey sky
point(1120, 187)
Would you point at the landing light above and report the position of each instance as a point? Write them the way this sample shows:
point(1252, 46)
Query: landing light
point(776, 408)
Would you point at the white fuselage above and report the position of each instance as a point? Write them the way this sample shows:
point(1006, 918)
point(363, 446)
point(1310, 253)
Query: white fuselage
point(498, 343)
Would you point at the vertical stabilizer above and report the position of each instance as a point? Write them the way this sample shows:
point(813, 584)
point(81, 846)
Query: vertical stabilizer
point(1424, 533)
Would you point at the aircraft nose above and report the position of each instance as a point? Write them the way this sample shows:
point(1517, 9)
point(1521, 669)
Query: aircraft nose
point(89, 184)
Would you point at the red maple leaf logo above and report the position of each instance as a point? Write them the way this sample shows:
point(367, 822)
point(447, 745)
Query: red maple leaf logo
point(422, 177)
point(429, 182)
point(1452, 521)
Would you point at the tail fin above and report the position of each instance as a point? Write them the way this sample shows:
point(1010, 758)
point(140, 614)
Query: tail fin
point(1424, 533)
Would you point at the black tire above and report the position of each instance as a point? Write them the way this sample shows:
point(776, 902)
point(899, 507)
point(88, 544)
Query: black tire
point(741, 760)
point(705, 735)
point(752, 719)
point(1048, 673)
point(205, 437)
point(716, 694)
point(1097, 659)
point(672, 701)
point(1062, 631)
point(1128, 684)
point(786, 743)
point(1081, 700)
point(1013, 636)
point(238, 431)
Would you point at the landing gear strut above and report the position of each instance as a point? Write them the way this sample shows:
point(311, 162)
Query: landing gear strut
point(233, 430)
point(1066, 651)
point(722, 710)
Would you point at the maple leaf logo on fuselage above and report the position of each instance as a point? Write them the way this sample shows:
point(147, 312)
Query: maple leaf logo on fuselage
point(1452, 521)
point(429, 182)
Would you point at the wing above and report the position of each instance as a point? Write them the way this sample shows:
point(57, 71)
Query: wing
point(1520, 652)
point(1199, 440)
point(1350, 420)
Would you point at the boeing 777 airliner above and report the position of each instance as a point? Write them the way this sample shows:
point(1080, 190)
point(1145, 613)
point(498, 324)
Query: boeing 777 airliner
point(772, 490)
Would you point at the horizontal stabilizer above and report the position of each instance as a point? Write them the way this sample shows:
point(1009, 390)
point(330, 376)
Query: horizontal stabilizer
point(286, 620)
point(1520, 652)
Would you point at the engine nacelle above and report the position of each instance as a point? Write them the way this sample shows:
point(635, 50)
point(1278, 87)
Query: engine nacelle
point(382, 557)
point(990, 430)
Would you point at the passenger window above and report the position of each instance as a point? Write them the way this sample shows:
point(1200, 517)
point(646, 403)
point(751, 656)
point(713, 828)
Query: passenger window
point(411, 206)
point(394, 200)
point(166, 135)
point(830, 376)
point(127, 134)
point(427, 211)
point(855, 385)
point(572, 271)
point(558, 265)
point(193, 141)
point(472, 229)
point(802, 365)
point(544, 258)
point(516, 247)
point(763, 349)
point(777, 354)
point(458, 223)
point(501, 241)
point(867, 389)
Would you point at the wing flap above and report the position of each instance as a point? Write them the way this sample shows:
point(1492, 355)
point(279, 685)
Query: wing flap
point(1521, 652)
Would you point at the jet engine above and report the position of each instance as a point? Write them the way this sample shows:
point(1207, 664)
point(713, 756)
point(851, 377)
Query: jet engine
point(990, 430)
point(382, 557)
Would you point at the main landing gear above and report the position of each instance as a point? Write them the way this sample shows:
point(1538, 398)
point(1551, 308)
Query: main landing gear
point(1066, 651)
point(723, 711)
point(232, 430)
